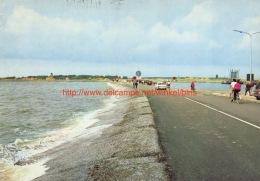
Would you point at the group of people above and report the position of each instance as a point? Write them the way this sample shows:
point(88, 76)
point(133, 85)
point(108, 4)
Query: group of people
point(236, 87)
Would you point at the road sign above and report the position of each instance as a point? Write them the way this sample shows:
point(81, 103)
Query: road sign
point(138, 73)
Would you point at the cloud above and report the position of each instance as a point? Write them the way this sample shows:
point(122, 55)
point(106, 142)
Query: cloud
point(125, 34)
point(201, 17)
point(87, 40)
point(253, 23)
point(25, 20)
point(37, 36)
point(161, 34)
point(188, 29)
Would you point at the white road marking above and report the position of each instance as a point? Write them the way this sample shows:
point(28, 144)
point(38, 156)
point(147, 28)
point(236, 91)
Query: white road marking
point(241, 120)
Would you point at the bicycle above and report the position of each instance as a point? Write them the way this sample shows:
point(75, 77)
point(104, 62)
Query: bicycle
point(238, 97)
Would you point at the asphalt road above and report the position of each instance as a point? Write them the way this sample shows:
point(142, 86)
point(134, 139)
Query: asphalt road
point(210, 139)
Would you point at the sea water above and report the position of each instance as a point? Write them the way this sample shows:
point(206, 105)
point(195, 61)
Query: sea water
point(37, 116)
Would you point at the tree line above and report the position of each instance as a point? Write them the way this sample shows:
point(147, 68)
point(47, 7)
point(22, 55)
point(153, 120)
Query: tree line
point(71, 77)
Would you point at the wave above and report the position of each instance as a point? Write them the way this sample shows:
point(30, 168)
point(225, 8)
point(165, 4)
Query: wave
point(23, 149)
point(87, 125)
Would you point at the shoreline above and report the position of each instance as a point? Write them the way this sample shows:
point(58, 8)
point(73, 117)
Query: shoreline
point(10, 80)
point(128, 149)
point(187, 80)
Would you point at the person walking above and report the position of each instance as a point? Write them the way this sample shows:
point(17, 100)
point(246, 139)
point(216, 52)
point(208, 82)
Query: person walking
point(135, 83)
point(251, 88)
point(192, 86)
point(248, 88)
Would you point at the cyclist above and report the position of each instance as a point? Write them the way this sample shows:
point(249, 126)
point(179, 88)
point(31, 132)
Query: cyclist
point(237, 88)
point(232, 86)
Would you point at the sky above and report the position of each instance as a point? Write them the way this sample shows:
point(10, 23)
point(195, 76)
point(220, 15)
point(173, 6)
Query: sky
point(160, 38)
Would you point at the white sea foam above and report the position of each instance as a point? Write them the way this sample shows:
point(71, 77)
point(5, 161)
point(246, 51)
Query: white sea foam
point(22, 149)
point(23, 173)
point(82, 127)
point(117, 86)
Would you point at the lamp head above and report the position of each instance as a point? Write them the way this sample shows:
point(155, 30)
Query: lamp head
point(238, 31)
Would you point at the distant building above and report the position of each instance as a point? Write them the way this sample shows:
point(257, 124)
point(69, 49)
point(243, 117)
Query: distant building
point(27, 78)
point(217, 76)
point(248, 77)
point(234, 74)
point(50, 78)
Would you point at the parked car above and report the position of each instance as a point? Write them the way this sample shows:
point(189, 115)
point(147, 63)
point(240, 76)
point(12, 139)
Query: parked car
point(160, 86)
point(257, 91)
point(148, 82)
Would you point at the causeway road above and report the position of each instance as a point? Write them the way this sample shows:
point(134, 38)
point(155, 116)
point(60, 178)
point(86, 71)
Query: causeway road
point(207, 137)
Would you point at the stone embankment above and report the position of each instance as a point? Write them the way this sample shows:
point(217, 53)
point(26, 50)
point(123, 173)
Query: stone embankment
point(129, 150)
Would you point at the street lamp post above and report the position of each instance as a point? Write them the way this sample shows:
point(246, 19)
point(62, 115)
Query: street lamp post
point(251, 48)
